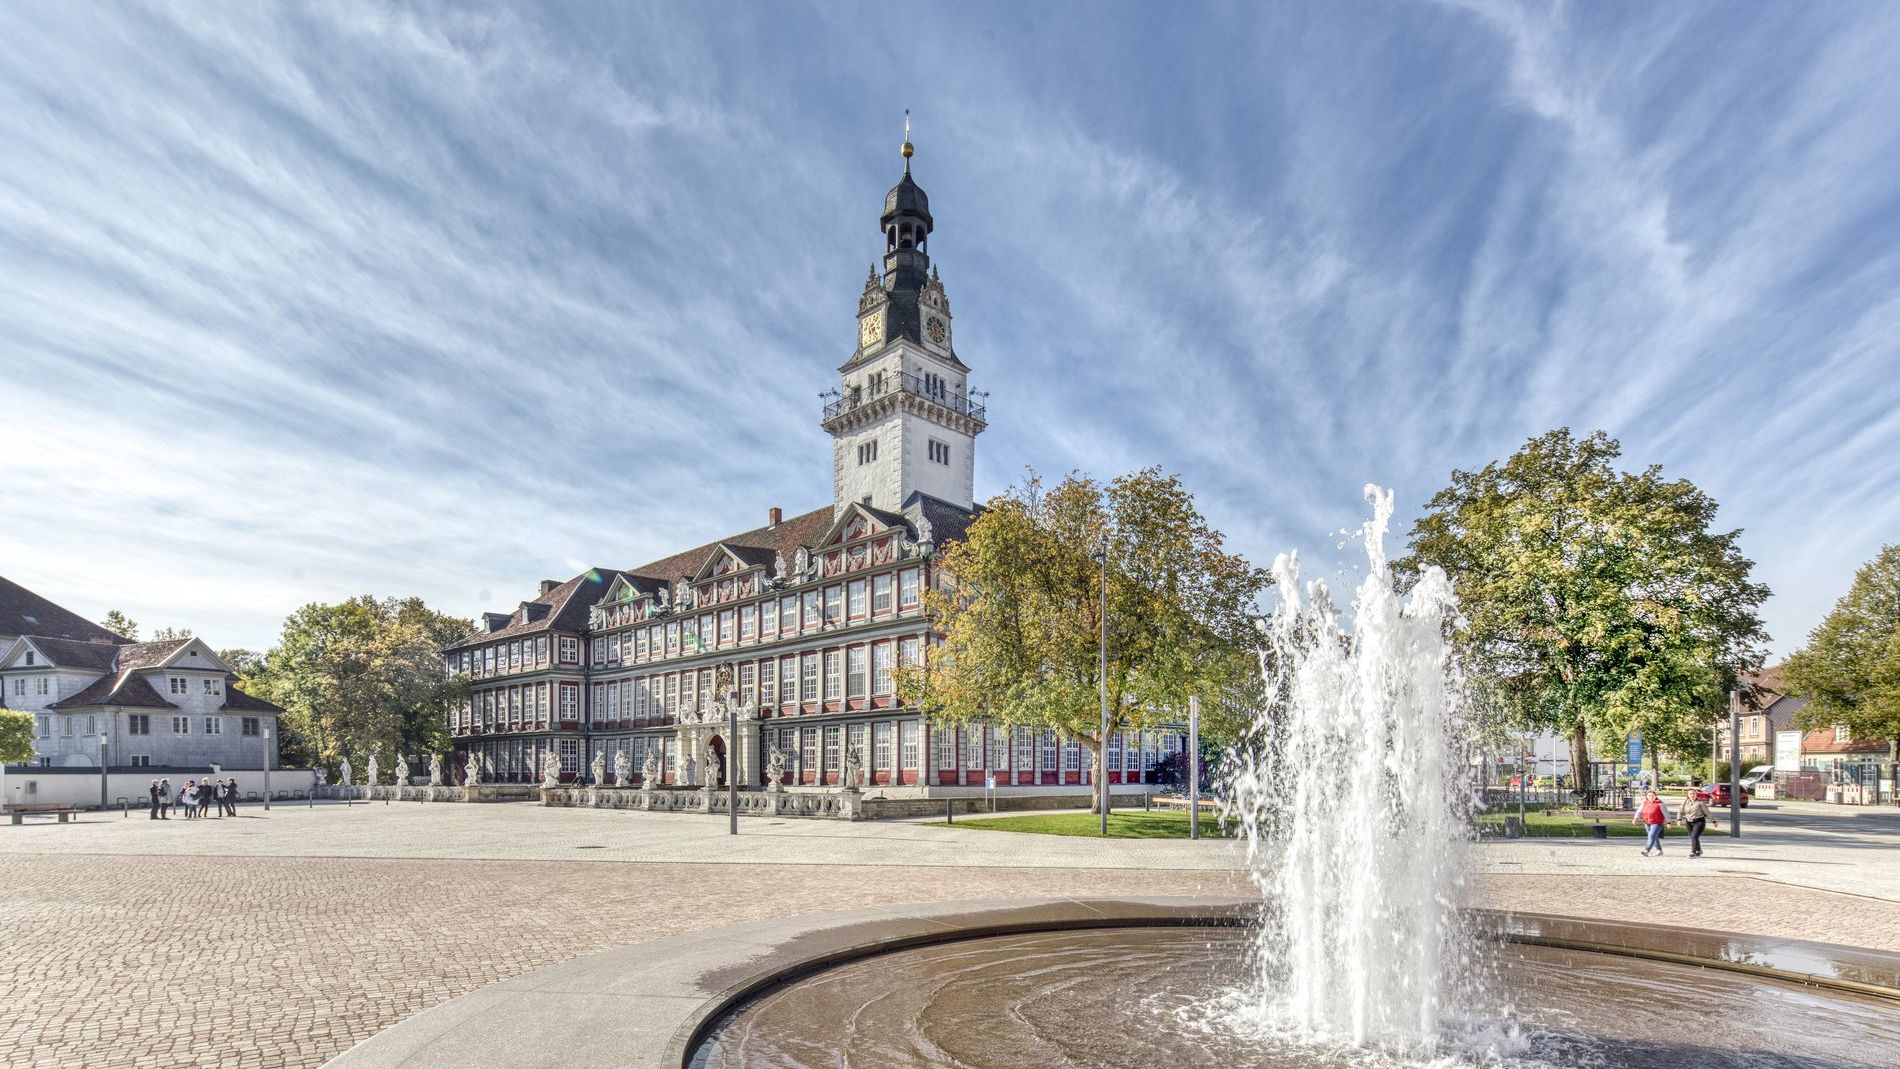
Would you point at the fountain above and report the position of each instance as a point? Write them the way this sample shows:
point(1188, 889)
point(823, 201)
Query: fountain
point(1350, 795)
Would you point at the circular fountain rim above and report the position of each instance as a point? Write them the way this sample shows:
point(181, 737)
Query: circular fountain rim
point(655, 1003)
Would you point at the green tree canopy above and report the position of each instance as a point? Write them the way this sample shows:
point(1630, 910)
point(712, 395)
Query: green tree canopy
point(1020, 621)
point(120, 624)
point(1597, 603)
point(1850, 668)
point(363, 677)
point(16, 737)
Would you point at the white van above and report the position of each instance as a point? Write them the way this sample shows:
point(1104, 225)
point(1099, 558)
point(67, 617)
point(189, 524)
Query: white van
point(1755, 775)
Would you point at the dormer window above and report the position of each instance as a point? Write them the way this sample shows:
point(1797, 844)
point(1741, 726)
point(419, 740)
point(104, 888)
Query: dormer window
point(29, 656)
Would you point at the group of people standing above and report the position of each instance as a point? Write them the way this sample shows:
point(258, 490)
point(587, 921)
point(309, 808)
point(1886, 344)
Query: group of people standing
point(1653, 815)
point(196, 798)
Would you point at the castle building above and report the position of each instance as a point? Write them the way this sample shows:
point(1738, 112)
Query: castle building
point(807, 618)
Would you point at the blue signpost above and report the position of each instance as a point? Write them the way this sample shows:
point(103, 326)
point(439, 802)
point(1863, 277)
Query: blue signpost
point(1635, 754)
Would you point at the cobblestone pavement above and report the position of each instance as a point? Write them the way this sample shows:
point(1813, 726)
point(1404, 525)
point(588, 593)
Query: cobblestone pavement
point(262, 941)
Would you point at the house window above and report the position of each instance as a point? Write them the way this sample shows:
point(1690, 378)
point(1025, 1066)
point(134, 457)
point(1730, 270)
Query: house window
point(1842, 733)
point(808, 679)
point(881, 595)
point(248, 726)
point(45, 727)
point(214, 725)
point(907, 589)
point(140, 760)
point(44, 685)
point(600, 651)
point(855, 605)
point(570, 755)
point(725, 627)
point(808, 750)
point(768, 682)
point(748, 623)
point(833, 675)
point(488, 661)
point(514, 656)
point(688, 682)
point(880, 668)
point(66, 726)
point(19, 686)
point(613, 648)
point(834, 742)
point(138, 724)
point(570, 699)
point(29, 657)
point(973, 749)
point(811, 610)
point(181, 725)
point(768, 619)
point(867, 452)
point(180, 685)
point(855, 672)
point(910, 736)
point(747, 693)
point(570, 649)
point(856, 742)
point(211, 686)
point(881, 737)
point(834, 604)
point(944, 740)
point(788, 615)
point(940, 451)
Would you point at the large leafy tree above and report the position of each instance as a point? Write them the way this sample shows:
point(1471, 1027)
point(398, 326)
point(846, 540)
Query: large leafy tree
point(1597, 603)
point(362, 677)
point(1020, 622)
point(16, 737)
point(120, 624)
point(1850, 668)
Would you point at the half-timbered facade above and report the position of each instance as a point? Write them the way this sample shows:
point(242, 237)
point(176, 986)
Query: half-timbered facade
point(807, 619)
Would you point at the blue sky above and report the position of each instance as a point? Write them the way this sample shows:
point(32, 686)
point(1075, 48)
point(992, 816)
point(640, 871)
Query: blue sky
point(303, 301)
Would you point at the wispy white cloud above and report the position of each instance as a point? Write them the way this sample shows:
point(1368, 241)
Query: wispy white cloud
point(297, 302)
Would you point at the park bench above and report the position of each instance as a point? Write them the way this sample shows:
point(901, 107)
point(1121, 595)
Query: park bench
point(64, 810)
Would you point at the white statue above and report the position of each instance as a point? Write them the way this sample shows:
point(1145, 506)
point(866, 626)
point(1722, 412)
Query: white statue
point(650, 770)
point(472, 772)
point(319, 778)
point(550, 768)
point(435, 770)
point(623, 768)
point(853, 769)
point(748, 711)
point(599, 766)
point(398, 771)
point(370, 780)
point(343, 770)
point(775, 768)
point(686, 767)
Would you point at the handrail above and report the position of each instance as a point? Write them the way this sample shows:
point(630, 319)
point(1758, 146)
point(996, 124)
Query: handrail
point(914, 385)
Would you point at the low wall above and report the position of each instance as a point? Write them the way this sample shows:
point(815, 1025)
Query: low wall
point(34, 784)
point(976, 805)
point(832, 805)
point(394, 794)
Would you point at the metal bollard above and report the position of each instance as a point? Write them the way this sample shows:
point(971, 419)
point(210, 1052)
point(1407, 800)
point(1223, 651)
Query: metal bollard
point(949, 811)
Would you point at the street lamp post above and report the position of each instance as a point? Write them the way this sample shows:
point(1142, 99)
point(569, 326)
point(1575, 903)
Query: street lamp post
point(105, 772)
point(1194, 767)
point(266, 733)
point(732, 749)
point(1734, 764)
point(1101, 671)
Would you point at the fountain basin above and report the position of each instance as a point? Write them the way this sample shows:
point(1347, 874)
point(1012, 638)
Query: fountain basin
point(667, 1003)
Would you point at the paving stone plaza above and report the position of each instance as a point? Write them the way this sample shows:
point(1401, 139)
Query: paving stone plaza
point(283, 939)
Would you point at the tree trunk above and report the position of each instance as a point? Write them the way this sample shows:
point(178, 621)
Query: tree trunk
point(1095, 777)
point(1580, 759)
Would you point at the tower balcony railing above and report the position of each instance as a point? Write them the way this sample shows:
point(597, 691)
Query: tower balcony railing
point(915, 385)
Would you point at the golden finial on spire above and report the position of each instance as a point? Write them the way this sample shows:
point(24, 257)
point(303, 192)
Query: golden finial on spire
point(908, 147)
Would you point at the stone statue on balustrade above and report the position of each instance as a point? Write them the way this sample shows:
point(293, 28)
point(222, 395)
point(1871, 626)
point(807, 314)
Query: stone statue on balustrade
point(550, 768)
point(623, 768)
point(343, 771)
point(854, 769)
point(435, 770)
point(370, 779)
point(598, 767)
point(472, 771)
point(650, 771)
point(399, 771)
point(686, 770)
point(775, 770)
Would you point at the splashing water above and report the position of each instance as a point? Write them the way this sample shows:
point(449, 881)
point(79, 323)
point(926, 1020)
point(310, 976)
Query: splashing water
point(1353, 805)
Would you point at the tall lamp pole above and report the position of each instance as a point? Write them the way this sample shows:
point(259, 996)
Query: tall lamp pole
point(105, 772)
point(266, 768)
point(732, 749)
point(1734, 763)
point(1101, 672)
point(1194, 767)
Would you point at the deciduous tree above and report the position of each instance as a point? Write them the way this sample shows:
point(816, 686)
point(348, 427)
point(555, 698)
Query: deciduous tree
point(362, 677)
point(120, 624)
point(1597, 603)
point(1850, 668)
point(1020, 622)
point(16, 737)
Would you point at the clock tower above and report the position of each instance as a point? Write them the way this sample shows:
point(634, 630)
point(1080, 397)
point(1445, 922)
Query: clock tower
point(903, 420)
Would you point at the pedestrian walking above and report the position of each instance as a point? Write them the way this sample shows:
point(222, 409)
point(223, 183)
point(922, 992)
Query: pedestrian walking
point(164, 798)
point(154, 799)
point(230, 796)
point(1653, 816)
point(187, 797)
point(1695, 817)
point(207, 796)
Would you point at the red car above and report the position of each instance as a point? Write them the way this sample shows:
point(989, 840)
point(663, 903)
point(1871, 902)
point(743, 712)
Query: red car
point(1716, 794)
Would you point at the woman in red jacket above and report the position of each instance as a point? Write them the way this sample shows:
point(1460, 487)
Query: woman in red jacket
point(1653, 817)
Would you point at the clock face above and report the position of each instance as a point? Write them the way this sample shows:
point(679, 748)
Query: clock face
point(936, 330)
point(870, 328)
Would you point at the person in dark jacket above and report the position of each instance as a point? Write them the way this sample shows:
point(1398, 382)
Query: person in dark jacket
point(154, 799)
point(230, 796)
point(1695, 817)
point(164, 798)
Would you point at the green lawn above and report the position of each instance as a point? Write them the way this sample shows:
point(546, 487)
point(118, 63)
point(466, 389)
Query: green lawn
point(1122, 824)
point(1563, 825)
